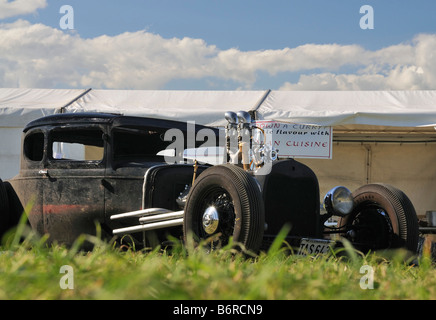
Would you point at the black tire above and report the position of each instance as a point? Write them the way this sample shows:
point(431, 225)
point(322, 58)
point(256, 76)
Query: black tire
point(237, 199)
point(4, 209)
point(383, 218)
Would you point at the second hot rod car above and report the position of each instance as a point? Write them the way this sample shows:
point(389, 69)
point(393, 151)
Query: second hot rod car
point(131, 177)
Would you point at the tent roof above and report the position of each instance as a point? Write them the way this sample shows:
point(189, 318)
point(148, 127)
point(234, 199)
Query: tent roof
point(20, 106)
point(333, 108)
point(203, 107)
point(342, 108)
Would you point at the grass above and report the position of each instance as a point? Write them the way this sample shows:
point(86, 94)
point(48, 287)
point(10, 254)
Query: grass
point(30, 269)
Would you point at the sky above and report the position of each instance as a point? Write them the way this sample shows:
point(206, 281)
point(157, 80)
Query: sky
point(218, 44)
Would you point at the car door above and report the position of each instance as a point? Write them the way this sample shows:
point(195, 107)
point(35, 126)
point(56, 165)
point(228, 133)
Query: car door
point(73, 194)
point(132, 153)
point(27, 187)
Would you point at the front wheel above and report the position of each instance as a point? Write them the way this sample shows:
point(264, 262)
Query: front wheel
point(383, 217)
point(224, 202)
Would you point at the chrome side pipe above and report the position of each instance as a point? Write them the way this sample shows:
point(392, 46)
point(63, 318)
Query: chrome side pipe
point(149, 226)
point(162, 217)
point(139, 213)
point(149, 219)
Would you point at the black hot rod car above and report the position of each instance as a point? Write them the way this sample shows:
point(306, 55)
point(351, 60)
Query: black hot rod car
point(125, 174)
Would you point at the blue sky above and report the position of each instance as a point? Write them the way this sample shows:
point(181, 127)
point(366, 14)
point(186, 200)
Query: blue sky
point(216, 45)
point(250, 24)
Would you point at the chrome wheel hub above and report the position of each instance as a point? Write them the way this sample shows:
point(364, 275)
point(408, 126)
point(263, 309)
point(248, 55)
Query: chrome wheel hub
point(210, 220)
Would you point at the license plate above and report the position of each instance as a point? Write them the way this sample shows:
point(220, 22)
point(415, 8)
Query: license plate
point(314, 246)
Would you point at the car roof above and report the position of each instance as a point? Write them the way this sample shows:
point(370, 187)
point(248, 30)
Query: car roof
point(115, 120)
point(71, 118)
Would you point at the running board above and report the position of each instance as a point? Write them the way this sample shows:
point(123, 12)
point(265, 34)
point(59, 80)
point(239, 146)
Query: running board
point(149, 219)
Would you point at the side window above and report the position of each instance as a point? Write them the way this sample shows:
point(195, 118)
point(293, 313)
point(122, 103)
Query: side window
point(76, 144)
point(34, 146)
point(133, 144)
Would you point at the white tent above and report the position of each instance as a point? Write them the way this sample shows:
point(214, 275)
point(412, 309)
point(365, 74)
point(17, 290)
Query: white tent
point(344, 108)
point(379, 136)
point(17, 108)
point(20, 106)
point(203, 107)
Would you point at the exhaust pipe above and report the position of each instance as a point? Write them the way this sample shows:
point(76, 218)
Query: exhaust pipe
point(149, 219)
point(139, 213)
point(150, 226)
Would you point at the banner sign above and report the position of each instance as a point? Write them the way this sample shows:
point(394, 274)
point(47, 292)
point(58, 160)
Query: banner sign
point(294, 140)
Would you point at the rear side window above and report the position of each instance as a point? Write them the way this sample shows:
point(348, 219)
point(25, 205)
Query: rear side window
point(34, 146)
point(76, 144)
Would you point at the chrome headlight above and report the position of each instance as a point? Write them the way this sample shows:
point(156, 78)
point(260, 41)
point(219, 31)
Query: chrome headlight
point(339, 201)
point(243, 117)
point(231, 117)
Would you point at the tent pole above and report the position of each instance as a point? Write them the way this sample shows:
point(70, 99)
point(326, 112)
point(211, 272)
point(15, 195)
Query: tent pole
point(368, 162)
point(62, 109)
point(253, 111)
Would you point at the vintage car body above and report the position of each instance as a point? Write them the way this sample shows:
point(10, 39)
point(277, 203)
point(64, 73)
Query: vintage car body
point(70, 195)
point(116, 174)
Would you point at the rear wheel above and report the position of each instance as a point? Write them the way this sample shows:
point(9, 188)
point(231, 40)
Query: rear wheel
point(383, 217)
point(225, 201)
point(4, 209)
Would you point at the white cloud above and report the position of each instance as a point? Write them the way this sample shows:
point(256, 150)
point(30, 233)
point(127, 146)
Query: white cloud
point(398, 78)
point(306, 57)
point(41, 56)
point(35, 55)
point(19, 7)
point(400, 67)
